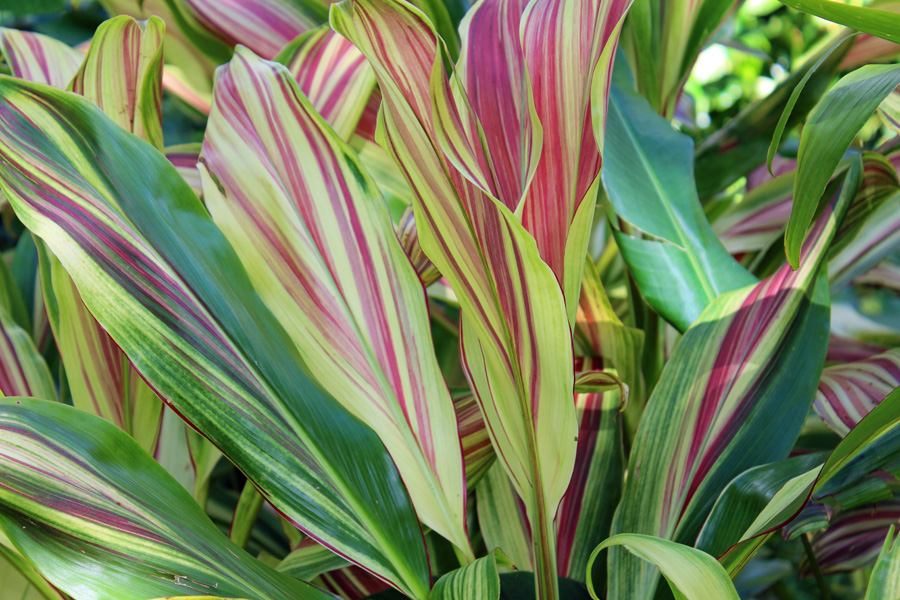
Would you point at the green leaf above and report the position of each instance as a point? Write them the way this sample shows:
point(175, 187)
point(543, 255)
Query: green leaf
point(478, 580)
point(881, 23)
point(171, 292)
point(649, 179)
point(884, 582)
point(875, 427)
point(20, 580)
point(828, 132)
point(734, 394)
point(692, 574)
point(75, 503)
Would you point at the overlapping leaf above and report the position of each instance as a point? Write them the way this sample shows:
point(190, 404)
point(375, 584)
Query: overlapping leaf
point(650, 183)
point(167, 286)
point(319, 246)
point(38, 58)
point(515, 335)
point(727, 380)
point(74, 500)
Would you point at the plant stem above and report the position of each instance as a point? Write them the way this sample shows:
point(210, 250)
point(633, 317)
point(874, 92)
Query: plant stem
point(814, 565)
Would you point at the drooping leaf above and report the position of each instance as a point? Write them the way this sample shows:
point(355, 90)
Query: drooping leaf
point(726, 382)
point(171, 292)
point(692, 574)
point(74, 501)
point(853, 540)
point(40, 58)
point(828, 132)
point(319, 246)
point(649, 180)
point(264, 26)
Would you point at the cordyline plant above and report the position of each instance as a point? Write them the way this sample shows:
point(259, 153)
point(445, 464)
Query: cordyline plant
point(451, 296)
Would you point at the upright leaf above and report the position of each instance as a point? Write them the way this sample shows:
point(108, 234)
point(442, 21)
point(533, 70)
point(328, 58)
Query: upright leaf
point(884, 582)
point(319, 246)
point(478, 580)
point(171, 292)
point(649, 181)
point(726, 382)
point(828, 132)
point(75, 503)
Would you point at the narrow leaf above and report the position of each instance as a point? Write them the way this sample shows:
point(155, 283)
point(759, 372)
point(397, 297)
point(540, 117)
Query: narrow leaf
point(884, 582)
point(882, 23)
point(825, 138)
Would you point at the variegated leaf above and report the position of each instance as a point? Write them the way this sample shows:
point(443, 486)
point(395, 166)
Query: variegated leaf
point(849, 391)
point(516, 341)
point(185, 158)
point(74, 501)
point(40, 58)
point(319, 246)
point(188, 318)
point(854, 538)
point(122, 74)
point(726, 382)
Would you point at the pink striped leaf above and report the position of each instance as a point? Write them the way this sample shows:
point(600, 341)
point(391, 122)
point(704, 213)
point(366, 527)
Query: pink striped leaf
point(39, 58)
point(848, 392)
point(191, 51)
point(74, 502)
point(516, 341)
point(333, 74)
point(185, 158)
point(23, 370)
point(316, 238)
point(264, 26)
point(165, 283)
point(122, 74)
point(854, 538)
point(726, 382)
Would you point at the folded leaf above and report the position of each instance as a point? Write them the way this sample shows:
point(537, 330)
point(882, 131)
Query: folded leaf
point(649, 181)
point(727, 381)
point(169, 289)
point(74, 502)
point(878, 426)
point(319, 246)
point(825, 139)
point(122, 74)
point(515, 340)
point(38, 58)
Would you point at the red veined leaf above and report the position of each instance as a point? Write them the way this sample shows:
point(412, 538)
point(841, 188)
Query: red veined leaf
point(39, 58)
point(853, 538)
point(848, 392)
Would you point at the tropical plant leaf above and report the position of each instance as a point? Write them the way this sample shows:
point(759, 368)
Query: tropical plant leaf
point(854, 538)
point(74, 502)
point(183, 309)
point(884, 582)
point(825, 139)
point(39, 58)
point(692, 574)
point(185, 158)
point(882, 23)
point(478, 580)
point(849, 391)
point(320, 248)
point(515, 340)
point(122, 74)
point(879, 425)
point(649, 180)
point(725, 383)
